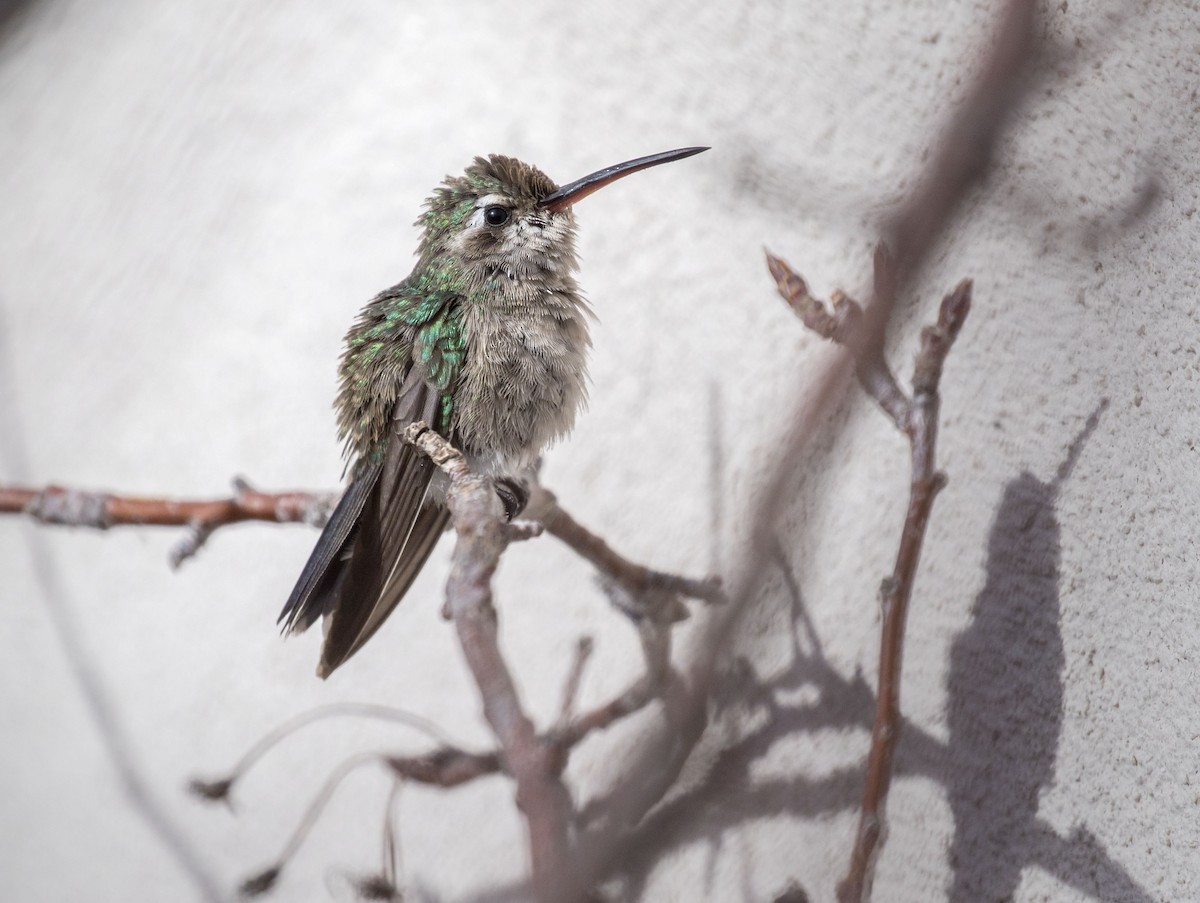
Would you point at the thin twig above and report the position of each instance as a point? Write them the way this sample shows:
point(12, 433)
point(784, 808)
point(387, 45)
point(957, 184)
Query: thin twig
point(841, 321)
point(656, 649)
point(102, 510)
point(635, 578)
point(220, 788)
point(896, 591)
point(264, 880)
point(916, 417)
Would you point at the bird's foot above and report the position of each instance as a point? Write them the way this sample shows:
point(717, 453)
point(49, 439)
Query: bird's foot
point(514, 496)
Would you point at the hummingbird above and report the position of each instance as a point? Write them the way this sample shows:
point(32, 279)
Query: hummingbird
point(486, 341)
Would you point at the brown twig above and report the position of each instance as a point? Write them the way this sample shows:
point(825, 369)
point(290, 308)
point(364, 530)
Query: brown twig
point(917, 418)
point(963, 159)
point(842, 322)
point(634, 578)
point(896, 591)
point(102, 510)
point(656, 649)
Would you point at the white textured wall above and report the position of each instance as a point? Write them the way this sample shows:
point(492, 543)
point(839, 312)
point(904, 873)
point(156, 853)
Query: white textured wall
point(196, 198)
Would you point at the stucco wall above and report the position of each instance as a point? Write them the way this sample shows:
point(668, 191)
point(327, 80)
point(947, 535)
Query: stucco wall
point(196, 199)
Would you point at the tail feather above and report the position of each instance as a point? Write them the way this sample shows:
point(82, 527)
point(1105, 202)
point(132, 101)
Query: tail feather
point(312, 595)
point(383, 543)
point(351, 626)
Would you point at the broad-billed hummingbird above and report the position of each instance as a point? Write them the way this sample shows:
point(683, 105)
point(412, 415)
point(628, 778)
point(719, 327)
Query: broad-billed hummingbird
point(486, 341)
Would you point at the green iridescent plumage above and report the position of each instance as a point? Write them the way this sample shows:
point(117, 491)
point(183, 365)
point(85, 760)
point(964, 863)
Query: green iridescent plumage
point(410, 325)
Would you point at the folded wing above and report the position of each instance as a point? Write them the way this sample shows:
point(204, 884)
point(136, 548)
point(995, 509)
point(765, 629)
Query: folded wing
point(377, 540)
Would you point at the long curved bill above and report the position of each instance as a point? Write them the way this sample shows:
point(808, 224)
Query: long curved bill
point(581, 188)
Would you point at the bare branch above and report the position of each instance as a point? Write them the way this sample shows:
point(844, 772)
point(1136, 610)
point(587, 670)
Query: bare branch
point(102, 510)
point(917, 419)
point(656, 648)
point(896, 591)
point(962, 159)
point(844, 326)
point(634, 578)
point(482, 537)
point(220, 788)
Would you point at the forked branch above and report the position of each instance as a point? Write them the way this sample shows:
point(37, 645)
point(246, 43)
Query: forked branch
point(916, 416)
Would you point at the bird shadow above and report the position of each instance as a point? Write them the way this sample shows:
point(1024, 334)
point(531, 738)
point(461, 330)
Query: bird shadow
point(1006, 711)
point(1005, 721)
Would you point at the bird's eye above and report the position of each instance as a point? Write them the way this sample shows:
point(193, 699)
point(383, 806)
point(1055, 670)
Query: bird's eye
point(495, 216)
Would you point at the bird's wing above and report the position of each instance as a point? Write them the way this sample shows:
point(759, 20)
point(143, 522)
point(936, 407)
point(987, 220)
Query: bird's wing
point(395, 534)
point(384, 528)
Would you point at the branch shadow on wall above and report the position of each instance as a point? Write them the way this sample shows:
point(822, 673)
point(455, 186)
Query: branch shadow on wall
point(1005, 719)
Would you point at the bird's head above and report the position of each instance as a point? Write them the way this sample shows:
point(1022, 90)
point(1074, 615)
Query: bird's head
point(506, 217)
point(489, 218)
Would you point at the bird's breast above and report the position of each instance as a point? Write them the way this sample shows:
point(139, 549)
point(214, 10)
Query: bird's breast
point(524, 379)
